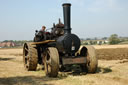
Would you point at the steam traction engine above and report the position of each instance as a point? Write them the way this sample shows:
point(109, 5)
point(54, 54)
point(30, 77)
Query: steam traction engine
point(59, 49)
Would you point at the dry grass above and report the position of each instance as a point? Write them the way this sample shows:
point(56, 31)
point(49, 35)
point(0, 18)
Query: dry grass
point(13, 51)
point(112, 72)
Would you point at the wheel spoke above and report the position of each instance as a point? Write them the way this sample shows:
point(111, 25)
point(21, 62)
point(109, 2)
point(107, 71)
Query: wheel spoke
point(48, 62)
point(49, 68)
point(26, 57)
point(26, 49)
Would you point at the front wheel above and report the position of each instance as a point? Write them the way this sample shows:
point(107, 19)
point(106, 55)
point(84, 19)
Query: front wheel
point(91, 59)
point(51, 62)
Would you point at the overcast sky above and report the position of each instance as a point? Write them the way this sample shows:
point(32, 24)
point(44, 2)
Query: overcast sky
point(89, 18)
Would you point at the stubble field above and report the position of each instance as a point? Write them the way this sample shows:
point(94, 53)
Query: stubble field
point(112, 69)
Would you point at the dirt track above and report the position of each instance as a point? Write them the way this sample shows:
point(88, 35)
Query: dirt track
point(110, 72)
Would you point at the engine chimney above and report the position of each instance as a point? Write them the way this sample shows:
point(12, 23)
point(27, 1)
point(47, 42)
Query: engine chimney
point(66, 14)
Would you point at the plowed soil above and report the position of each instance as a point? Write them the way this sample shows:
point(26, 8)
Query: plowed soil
point(112, 52)
point(109, 72)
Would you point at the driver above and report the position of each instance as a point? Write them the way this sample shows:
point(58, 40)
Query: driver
point(43, 29)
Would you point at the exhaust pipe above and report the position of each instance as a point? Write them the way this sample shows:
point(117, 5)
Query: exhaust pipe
point(66, 14)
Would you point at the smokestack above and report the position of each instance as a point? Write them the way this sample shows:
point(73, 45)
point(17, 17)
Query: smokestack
point(66, 14)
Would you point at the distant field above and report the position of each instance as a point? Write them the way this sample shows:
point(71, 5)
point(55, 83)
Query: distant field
point(112, 52)
point(109, 72)
point(110, 46)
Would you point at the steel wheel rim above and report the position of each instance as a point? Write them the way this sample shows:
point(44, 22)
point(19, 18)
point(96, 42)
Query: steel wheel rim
point(26, 56)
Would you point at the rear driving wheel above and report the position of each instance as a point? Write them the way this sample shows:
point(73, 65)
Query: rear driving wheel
point(51, 62)
point(29, 57)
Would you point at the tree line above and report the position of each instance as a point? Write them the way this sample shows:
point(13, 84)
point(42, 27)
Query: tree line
point(112, 39)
